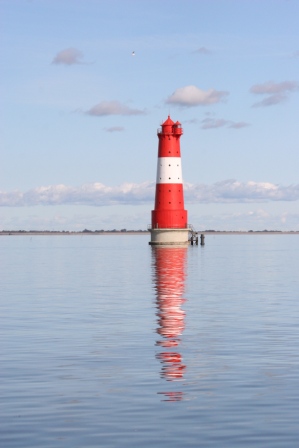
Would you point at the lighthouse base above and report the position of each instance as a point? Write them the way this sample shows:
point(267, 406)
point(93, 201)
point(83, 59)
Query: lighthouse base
point(169, 237)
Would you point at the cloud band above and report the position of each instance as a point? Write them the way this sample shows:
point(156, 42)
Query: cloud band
point(98, 194)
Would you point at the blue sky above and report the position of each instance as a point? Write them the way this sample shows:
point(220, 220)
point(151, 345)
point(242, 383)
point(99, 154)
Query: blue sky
point(79, 111)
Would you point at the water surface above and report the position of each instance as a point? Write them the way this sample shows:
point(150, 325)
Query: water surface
point(109, 342)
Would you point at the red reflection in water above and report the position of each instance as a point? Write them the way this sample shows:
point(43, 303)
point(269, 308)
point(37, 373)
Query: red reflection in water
point(169, 270)
point(172, 396)
point(172, 366)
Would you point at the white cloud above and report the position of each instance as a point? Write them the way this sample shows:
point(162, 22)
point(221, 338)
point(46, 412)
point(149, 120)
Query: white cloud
point(271, 87)
point(113, 108)
point(276, 92)
point(97, 194)
point(190, 96)
point(69, 56)
point(238, 124)
point(114, 129)
point(213, 123)
point(230, 191)
point(203, 50)
point(271, 100)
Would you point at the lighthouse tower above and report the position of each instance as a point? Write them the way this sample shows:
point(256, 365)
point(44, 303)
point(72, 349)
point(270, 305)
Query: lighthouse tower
point(169, 218)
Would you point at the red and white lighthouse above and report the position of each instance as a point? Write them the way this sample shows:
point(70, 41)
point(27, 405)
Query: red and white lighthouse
point(169, 218)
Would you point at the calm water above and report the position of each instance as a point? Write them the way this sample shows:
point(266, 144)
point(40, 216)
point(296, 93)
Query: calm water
point(107, 342)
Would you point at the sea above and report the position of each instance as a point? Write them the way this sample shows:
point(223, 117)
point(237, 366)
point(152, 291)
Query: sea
point(106, 341)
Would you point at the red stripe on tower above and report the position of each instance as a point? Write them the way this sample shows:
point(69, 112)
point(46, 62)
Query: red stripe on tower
point(169, 213)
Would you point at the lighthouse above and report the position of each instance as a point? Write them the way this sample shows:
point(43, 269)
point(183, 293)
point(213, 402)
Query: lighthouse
point(169, 218)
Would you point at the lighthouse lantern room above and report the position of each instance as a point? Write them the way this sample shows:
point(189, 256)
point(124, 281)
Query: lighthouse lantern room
point(169, 218)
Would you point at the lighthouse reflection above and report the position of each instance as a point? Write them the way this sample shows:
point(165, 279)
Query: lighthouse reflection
point(169, 280)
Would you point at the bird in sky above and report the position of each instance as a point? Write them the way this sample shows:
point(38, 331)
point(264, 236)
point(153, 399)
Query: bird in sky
point(133, 53)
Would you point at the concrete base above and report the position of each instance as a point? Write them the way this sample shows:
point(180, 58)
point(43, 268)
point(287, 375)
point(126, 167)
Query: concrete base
point(169, 236)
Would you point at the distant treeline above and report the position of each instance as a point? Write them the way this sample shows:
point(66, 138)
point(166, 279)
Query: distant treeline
point(86, 231)
point(71, 231)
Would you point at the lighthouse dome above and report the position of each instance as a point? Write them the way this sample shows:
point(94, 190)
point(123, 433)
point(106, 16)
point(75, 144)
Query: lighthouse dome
point(168, 122)
point(167, 126)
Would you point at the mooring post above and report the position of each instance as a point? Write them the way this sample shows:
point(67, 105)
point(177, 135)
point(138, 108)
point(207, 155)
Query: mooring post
point(202, 239)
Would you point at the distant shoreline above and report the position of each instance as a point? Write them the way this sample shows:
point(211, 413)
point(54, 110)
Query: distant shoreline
point(139, 232)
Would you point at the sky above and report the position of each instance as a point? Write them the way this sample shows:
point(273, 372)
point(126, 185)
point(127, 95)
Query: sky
point(85, 84)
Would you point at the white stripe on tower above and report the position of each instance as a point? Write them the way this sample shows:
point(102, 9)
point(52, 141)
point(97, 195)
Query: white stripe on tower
point(169, 170)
